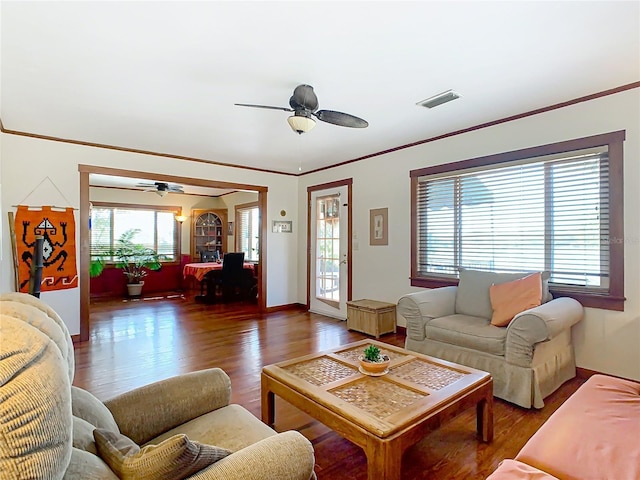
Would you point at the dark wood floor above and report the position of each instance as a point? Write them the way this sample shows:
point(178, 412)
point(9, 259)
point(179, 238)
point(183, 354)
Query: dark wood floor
point(137, 342)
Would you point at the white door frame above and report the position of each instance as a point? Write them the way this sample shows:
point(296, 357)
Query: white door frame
point(348, 182)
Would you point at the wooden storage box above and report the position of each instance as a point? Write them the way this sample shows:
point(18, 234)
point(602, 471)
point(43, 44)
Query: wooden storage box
point(371, 317)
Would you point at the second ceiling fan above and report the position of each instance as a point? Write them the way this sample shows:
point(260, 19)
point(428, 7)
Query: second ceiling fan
point(161, 188)
point(304, 105)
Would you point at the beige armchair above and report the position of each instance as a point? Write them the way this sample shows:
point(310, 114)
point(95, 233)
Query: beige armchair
point(47, 425)
point(528, 360)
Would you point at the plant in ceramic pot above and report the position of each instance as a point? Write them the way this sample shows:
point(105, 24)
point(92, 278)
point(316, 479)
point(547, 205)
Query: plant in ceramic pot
point(135, 260)
point(373, 361)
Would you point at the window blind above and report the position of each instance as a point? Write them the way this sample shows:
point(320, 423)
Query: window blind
point(247, 230)
point(243, 231)
point(539, 214)
point(156, 230)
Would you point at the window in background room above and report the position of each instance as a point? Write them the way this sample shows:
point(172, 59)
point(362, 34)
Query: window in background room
point(547, 208)
point(156, 225)
point(248, 230)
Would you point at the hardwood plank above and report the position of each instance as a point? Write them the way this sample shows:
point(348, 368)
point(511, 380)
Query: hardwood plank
point(132, 343)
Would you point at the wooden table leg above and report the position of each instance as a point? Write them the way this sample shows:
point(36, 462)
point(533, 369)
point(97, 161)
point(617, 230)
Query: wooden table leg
point(267, 402)
point(384, 460)
point(484, 415)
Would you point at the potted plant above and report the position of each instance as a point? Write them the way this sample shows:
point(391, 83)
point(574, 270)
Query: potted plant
point(134, 259)
point(373, 362)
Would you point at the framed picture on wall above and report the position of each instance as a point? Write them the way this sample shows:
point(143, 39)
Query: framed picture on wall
point(229, 228)
point(282, 226)
point(379, 226)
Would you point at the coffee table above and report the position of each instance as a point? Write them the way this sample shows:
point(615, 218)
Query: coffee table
point(382, 414)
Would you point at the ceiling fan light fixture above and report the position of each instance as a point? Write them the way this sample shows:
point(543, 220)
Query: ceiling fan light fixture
point(162, 193)
point(301, 123)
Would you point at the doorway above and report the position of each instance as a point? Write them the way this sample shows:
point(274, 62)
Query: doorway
point(329, 264)
point(85, 172)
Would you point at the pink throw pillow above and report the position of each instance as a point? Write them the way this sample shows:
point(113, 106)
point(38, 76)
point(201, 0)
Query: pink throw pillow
point(510, 298)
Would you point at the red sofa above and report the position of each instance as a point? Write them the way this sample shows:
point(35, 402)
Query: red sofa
point(594, 435)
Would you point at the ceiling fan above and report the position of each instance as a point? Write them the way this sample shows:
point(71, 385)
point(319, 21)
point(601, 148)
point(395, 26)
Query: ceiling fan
point(304, 105)
point(161, 188)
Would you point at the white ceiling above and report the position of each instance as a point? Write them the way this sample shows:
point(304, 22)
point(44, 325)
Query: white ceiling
point(164, 76)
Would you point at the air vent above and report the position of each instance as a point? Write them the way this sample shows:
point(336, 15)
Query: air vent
point(439, 99)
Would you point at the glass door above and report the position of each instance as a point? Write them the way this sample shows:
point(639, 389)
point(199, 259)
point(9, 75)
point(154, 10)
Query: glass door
point(329, 260)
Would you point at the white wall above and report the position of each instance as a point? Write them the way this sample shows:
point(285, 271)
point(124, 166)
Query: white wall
point(26, 161)
point(605, 341)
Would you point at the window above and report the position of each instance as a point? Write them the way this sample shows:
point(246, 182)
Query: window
point(328, 249)
point(556, 208)
point(157, 227)
point(248, 230)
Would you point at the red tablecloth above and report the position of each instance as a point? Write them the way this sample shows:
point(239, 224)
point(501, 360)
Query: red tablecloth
point(199, 270)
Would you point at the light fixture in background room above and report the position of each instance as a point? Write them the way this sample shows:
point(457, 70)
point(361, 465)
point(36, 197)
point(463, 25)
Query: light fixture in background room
point(301, 122)
point(180, 218)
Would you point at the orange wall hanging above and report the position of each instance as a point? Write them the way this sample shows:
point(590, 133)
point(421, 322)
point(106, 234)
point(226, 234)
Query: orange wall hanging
point(58, 229)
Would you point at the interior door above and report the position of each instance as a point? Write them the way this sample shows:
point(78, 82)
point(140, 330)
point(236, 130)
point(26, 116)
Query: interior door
point(329, 252)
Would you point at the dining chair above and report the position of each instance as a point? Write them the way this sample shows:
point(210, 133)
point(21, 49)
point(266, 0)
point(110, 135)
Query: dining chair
point(231, 278)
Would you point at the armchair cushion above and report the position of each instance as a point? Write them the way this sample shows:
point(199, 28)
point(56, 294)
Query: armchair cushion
point(232, 427)
point(176, 458)
point(469, 332)
point(87, 466)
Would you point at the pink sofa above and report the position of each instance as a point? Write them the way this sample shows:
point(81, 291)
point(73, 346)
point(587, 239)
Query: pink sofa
point(594, 435)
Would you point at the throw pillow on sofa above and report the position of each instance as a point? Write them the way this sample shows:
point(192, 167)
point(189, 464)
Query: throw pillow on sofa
point(510, 298)
point(175, 458)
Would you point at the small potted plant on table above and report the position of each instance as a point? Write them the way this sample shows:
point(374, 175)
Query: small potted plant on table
point(374, 363)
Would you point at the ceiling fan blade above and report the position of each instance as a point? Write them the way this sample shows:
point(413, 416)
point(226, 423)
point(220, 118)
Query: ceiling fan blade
point(305, 97)
point(342, 119)
point(263, 106)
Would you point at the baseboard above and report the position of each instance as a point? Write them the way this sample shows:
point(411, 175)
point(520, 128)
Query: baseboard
point(585, 373)
point(290, 306)
point(75, 338)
